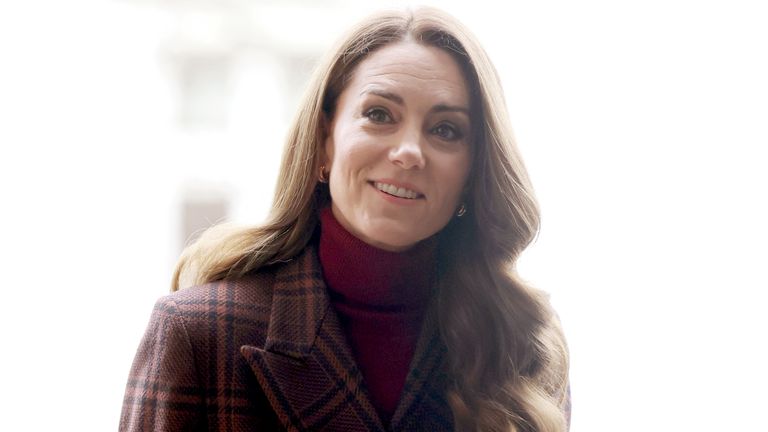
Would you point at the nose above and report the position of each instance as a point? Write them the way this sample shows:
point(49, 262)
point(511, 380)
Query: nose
point(407, 153)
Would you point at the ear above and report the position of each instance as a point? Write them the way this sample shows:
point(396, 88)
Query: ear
point(327, 147)
point(466, 190)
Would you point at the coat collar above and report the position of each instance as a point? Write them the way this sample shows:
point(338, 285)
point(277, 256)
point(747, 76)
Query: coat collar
point(308, 373)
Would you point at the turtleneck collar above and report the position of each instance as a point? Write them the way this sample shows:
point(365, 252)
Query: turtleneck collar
point(368, 276)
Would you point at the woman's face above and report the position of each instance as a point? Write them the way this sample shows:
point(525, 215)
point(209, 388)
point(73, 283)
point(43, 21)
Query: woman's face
point(398, 146)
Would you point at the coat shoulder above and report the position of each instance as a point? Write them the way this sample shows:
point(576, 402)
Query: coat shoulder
point(188, 373)
point(253, 290)
point(239, 308)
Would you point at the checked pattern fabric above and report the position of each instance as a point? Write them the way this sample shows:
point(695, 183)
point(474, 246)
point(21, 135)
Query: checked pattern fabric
point(267, 353)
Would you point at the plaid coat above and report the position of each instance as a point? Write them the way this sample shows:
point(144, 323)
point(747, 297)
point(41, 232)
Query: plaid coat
point(267, 353)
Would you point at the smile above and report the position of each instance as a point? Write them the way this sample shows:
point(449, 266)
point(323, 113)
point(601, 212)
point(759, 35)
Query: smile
point(396, 191)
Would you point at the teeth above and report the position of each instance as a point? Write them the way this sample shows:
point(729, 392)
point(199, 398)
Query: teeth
point(396, 191)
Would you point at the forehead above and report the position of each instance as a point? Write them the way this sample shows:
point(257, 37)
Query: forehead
point(412, 69)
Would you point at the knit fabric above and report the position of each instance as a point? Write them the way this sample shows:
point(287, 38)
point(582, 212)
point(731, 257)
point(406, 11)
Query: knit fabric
point(380, 298)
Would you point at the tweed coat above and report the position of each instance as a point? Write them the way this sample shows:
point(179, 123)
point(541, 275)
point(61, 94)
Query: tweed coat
point(267, 352)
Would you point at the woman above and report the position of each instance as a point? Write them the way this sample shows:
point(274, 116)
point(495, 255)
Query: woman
point(380, 294)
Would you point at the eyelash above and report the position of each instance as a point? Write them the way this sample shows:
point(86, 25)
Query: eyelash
point(374, 114)
point(371, 113)
point(454, 131)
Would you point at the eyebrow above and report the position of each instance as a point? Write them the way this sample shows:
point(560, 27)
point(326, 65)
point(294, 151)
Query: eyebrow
point(449, 108)
point(439, 108)
point(385, 94)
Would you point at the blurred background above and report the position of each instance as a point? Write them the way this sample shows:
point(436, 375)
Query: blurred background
point(126, 126)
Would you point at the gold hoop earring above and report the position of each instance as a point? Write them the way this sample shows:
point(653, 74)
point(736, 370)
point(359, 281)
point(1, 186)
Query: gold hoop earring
point(462, 210)
point(323, 176)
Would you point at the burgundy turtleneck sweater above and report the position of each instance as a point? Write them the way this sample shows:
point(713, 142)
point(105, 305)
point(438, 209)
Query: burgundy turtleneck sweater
point(380, 298)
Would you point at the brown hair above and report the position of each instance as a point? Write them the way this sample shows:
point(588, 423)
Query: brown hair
point(513, 376)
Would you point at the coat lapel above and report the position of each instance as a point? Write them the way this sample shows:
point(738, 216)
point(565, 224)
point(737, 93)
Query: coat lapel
point(306, 367)
point(422, 404)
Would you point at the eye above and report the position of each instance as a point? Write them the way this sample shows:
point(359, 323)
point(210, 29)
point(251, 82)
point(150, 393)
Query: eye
point(447, 131)
point(378, 115)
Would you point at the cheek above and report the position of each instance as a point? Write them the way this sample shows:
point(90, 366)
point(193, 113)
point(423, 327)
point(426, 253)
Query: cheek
point(353, 150)
point(455, 176)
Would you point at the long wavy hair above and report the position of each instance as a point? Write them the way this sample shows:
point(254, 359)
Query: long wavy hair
point(506, 351)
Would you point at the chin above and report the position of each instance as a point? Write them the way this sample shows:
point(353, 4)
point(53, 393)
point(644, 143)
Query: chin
point(393, 247)
point(395, 239)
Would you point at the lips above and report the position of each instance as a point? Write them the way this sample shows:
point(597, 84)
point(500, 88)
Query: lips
point(400, 192)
